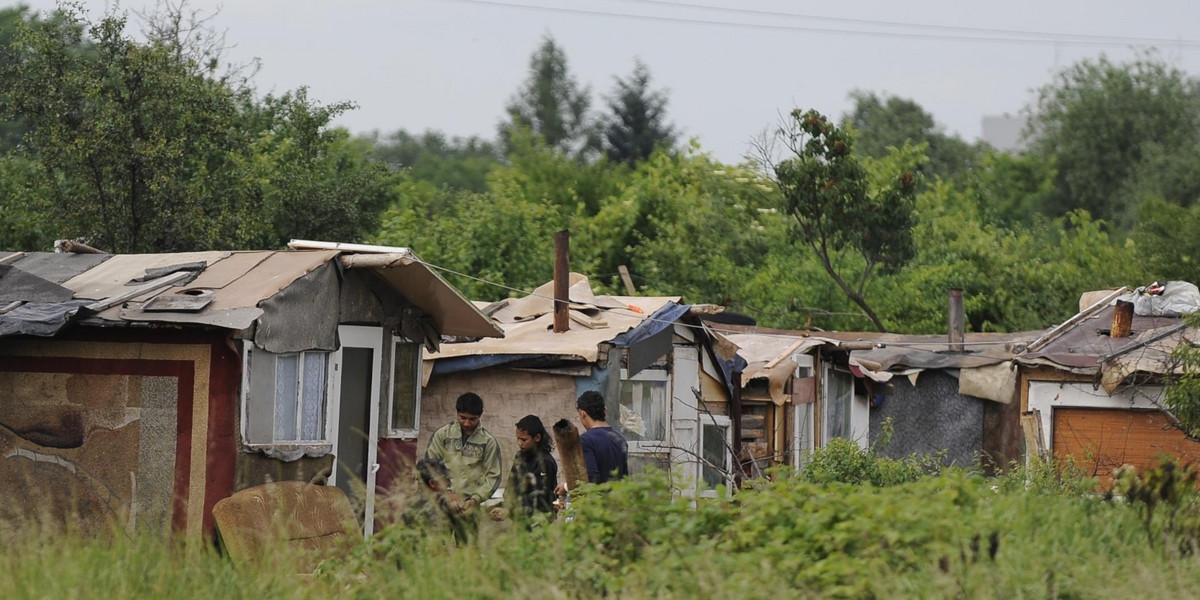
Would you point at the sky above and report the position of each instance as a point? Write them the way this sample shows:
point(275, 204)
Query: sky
point(452, 65)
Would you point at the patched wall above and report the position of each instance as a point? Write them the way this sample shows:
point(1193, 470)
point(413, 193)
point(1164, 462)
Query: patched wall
point(930, 417)
point(508, 395)
point(102, 433)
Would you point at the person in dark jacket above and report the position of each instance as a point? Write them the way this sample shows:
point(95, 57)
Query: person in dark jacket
point(534, 474)
point(604, 449)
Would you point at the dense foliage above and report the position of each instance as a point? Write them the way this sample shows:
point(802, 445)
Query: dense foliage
point(148, 146)
point(152, 143)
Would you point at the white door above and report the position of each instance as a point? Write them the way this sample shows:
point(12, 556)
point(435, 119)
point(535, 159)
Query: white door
point(684, 414)
point(358, 365)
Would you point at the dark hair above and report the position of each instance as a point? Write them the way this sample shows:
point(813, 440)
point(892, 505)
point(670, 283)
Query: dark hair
point(432, 468)
point(469, 403)
point(592, 403)
point(532, 425)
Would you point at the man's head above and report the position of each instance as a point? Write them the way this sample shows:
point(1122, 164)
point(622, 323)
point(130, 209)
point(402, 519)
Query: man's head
point(591, 409)
point(469, 407)
point(434, 474)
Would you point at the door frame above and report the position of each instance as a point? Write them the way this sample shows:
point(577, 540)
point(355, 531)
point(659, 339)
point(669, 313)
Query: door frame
point(358, 336)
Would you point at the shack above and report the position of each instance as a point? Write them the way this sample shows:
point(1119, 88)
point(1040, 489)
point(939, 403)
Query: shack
point(660, 369)
point(141, 389)
point(1092, 388)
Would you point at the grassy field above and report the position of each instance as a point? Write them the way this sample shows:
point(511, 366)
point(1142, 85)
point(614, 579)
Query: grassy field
point(948, 535)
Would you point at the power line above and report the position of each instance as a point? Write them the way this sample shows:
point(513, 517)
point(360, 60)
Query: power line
point(1054, 36)
point(823, 30)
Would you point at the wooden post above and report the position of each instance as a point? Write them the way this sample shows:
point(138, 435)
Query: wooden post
point(627, 280)
point(956, 321)
point(735, 422)
point(1122, 320)
point(570, 449)
point(562, 275)
point(1031, 427)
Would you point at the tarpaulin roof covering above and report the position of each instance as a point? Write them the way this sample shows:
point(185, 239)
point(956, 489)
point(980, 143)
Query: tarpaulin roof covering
point(231, 284)
point(880, 356)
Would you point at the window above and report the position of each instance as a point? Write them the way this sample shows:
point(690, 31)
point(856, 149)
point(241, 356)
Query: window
point(404, 406)
point(839, 388)
point(286, 397)
point(714, 450)
point(643, 407)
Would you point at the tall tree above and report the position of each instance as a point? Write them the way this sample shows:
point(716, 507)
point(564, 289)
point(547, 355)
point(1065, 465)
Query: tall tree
point(138, 147)
point(636, 124)
point(839, 205)
point(454, 162)
point(552, 105)
point(884, 122)
point(1099, 120)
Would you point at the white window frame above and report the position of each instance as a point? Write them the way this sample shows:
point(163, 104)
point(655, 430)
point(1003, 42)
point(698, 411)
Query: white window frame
point(249, 349)
point(648, 446)
point(415, 431)
point(715, 421)
point(848, 416)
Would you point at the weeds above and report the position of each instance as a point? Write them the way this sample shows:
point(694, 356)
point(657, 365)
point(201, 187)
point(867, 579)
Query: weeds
point(891, 534)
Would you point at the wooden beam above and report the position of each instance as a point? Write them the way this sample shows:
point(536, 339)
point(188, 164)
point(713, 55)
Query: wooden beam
point(156, 284)
point(627, 280)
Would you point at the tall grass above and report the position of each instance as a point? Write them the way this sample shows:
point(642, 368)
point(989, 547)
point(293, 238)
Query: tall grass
point(950, 535)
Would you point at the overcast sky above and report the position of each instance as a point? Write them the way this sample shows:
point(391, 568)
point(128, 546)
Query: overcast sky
point(452, 64)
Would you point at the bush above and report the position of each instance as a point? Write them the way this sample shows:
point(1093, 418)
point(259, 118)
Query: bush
point(843, 461)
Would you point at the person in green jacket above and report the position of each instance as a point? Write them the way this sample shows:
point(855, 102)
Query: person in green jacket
point(470, 451)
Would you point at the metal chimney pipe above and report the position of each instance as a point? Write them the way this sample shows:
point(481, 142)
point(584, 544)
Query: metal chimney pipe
point(956, 321)
point(562, 275)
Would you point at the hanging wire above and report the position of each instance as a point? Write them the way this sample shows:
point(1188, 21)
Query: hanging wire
point(717, 328)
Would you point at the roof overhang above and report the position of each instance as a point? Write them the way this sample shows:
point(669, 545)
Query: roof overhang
point(452, 313)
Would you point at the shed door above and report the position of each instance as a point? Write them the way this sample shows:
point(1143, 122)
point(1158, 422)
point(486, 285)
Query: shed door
point(356, 429)
point(1101, 439)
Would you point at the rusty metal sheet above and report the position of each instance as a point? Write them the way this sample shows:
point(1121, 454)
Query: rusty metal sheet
point(108, 278)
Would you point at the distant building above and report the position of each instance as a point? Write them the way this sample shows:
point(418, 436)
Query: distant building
point(1003, 132)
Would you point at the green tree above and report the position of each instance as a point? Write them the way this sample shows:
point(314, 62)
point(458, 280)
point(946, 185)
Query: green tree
point(1168, 241)
point(840, 207)
point(884, 122)
point(454, 162)
point(124, 134)
point(11, 20)
point(25, 225)
point(150, 147)
point(552, 105)
point(313, 181)
point(636, 124)
point(1099, 121)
